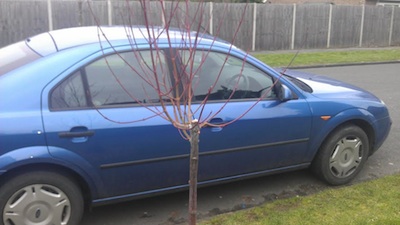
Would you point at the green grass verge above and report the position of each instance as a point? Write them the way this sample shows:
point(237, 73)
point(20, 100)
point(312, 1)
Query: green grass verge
point(329, 57)
point(371, 202)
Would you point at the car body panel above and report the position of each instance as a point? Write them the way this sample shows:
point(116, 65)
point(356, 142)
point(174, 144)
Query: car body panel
point(130, 155)
point(121, 152)
point(359, 105)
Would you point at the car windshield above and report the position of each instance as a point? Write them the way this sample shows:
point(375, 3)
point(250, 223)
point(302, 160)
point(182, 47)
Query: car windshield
point(303, 86)
point(16, 55)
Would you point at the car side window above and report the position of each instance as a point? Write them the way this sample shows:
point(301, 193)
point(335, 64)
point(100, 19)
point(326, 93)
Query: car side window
point(220, 76)
point(118, 79)
point(69, 94)
point(128, 78)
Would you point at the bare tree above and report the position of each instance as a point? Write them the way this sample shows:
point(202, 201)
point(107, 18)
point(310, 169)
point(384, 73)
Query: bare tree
point(179, 100)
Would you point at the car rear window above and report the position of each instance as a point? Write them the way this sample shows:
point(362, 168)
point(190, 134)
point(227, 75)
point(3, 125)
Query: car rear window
point(16, 55)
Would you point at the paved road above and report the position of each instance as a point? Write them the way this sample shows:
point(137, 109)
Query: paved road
point(382, 80)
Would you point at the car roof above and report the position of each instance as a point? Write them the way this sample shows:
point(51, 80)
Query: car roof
point(58, 40)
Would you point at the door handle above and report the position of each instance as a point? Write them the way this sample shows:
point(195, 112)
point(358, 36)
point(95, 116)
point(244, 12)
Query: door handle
point(215, 121)
point(77, 134)
point(73, 134)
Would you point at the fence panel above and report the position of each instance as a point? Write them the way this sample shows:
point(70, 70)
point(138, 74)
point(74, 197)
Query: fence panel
point(21, 19)
point(396, 27)
point(376, 26)
point(274, 27)
point(234, 23)
point(66, 14)
point(132, 13)
point(178, 13)
point(311, 26)
point(94, 14)
point(78, 13)
point(346, 26)
point(273, 31)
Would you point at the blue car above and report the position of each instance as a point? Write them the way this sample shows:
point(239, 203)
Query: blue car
point(80, 123)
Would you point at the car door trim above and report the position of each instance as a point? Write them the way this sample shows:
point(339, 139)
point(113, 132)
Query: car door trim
point(222, 151)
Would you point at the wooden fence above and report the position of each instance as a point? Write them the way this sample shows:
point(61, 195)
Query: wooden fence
point(264, 26)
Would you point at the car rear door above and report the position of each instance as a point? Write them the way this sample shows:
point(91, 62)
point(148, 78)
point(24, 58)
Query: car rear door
point(106, 116)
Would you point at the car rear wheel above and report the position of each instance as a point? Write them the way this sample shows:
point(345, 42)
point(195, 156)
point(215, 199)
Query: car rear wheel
point(40, 198)
point(342, 155)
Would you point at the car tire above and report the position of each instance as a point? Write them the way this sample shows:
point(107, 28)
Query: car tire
point(40, 198)
point(342, 155)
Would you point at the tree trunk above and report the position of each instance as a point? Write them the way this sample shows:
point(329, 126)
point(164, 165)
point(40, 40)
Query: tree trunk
point(194, 164)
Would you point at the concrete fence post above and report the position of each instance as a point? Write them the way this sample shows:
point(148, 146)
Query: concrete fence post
point(253, 46)
point(293, 27)
point(328, 41)
point(391, 27)
point(211, 18)
point(362, 26)
point(50, 15)
point(163, 15)
point(109, 12)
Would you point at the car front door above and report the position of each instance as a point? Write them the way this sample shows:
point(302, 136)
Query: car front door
point(262, 134)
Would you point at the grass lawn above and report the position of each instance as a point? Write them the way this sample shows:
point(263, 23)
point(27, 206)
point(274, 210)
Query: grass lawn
point(372, 202)
point(329, 57)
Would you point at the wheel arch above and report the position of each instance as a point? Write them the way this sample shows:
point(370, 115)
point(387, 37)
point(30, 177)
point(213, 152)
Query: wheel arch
point(357, 117)
point(338, 160)
point(39, 158)
point(364, 125)
point(59, 169)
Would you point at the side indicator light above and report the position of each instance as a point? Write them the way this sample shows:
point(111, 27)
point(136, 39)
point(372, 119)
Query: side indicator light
point(325, 117)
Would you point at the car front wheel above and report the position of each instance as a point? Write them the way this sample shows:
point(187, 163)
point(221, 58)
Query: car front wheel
point(40, 198)
point(342, 155)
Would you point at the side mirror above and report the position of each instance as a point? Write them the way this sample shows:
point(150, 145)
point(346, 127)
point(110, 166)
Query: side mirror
point(284, 93)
